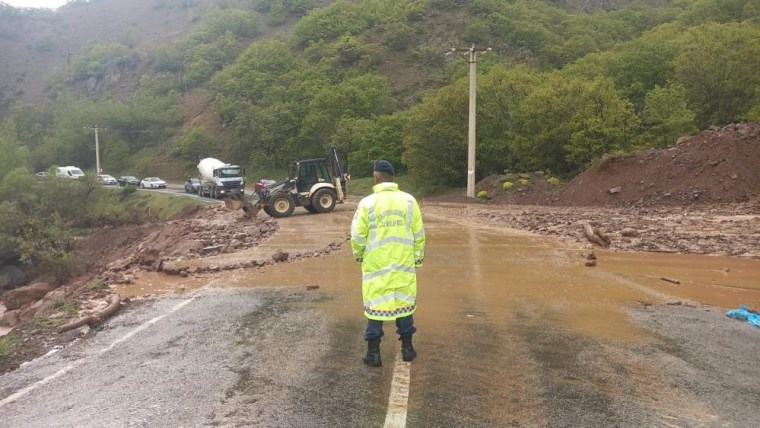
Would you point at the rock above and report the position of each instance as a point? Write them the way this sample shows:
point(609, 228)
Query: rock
point(170, 268)
point(120, 264)
point(211, 249)
point(149, 257)
point(616, 189)
point(19, 297)
point(11, 277)
point(280, 256)
point(590, 263)
point(9, 319)
point(629, 232)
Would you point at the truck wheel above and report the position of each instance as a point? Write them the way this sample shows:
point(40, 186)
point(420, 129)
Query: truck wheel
point(281, 205)
point(310, 208)
point(323, 200)
point(267, 210)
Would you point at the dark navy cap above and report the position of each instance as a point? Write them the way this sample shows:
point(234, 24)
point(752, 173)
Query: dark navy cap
point(383, 166)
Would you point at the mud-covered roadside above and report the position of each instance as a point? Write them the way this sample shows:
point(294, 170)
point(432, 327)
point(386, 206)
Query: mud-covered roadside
point(721, 230)
point(197, 242)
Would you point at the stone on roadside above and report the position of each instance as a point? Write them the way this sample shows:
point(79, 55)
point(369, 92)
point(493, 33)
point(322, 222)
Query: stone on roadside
point(590, 263)
point(280, 256)
point(629, 232)
point(9, 319)
point(616, 189)
point(21, 296)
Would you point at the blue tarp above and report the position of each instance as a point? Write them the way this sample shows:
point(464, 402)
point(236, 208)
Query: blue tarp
point(744, 314)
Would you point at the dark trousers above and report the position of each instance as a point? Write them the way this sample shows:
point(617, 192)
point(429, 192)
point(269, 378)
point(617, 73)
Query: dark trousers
point(404, 327)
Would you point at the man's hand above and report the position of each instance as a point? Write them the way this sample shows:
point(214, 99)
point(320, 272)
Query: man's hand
point(418, 263)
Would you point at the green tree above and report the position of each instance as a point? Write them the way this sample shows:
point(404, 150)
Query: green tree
point(718, 66)
point(367, 140)
point(197, 143)
point(566, 123)
point(666, 117)
point(435, 140)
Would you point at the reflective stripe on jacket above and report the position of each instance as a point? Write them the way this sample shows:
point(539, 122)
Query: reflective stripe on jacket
point(388, 236)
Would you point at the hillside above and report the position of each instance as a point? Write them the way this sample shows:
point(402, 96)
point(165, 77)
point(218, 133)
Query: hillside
point(269, 82)
point(37, 44)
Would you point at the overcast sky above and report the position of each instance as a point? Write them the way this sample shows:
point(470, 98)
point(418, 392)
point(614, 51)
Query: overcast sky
point(36, 3)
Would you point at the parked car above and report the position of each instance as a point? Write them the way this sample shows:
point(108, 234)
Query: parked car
point(192, 185)
point(128, 180)
point(107, 180)
point(152, 183)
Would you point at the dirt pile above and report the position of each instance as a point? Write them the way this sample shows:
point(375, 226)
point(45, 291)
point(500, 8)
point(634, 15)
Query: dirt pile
point(719, 165)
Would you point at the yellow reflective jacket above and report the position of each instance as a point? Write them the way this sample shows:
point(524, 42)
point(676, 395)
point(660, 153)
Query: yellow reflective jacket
point(388, 237)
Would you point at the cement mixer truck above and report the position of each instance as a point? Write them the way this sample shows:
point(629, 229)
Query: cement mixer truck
point(220, 180)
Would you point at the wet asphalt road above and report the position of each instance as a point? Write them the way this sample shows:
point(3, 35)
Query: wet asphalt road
point(513, 331)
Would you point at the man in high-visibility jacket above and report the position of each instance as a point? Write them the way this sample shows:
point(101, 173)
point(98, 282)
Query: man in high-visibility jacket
point(388, 239)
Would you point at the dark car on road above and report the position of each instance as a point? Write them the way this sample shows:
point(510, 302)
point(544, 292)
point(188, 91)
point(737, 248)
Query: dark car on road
point(128, 180)
point(192, 185)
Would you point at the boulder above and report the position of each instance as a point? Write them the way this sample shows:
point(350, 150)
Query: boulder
point(9, 319)
point(170, 268)
point(21, 296)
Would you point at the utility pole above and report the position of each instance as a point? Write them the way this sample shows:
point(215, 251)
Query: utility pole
point(97, 150)
point(473, 60)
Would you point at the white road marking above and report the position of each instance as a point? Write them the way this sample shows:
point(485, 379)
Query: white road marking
point(15, 396)
point(397, 401)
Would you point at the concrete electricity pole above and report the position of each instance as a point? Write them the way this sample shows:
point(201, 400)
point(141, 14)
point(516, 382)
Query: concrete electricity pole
point(97, 151)
point(473, 60)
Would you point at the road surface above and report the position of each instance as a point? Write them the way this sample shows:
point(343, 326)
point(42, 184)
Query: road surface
point(514, 330)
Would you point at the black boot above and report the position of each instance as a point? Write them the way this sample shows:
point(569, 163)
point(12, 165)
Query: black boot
point(407, 350)
point(372, 358)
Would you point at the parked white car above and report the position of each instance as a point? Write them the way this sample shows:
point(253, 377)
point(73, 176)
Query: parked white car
point(107, 180)
point(152, 183)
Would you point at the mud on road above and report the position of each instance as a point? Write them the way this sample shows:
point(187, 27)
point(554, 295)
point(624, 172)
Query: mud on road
point(514, 329)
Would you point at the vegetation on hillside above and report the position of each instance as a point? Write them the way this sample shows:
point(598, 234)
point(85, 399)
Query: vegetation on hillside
point(562, 86)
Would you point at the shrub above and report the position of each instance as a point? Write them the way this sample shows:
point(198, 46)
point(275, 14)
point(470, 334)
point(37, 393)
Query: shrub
point(97, 284)
point(524, 181)
point(7, 344)
point(554, 181)
point(482, 194)
point(507, 185)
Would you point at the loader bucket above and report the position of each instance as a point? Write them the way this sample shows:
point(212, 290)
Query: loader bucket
point(248, 208)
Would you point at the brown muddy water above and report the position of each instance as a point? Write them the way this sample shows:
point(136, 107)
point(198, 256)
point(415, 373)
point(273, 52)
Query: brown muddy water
point(473, 271)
